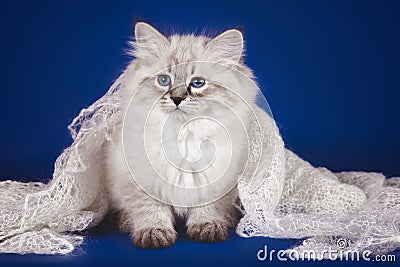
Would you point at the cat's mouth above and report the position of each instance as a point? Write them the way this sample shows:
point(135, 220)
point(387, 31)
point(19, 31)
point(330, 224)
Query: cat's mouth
point(178, 110)
point(181, 109)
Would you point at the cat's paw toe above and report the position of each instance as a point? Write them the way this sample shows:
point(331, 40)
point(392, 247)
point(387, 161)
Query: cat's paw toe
point(208, 232)
point(154, 238)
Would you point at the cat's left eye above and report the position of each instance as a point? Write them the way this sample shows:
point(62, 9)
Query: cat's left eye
point(197, 82)
point(164, 80)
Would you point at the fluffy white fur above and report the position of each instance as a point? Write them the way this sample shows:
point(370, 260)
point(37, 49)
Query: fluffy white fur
point(182, 57)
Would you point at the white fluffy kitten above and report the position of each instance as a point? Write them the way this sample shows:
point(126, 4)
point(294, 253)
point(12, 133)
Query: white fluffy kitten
point(169, 75)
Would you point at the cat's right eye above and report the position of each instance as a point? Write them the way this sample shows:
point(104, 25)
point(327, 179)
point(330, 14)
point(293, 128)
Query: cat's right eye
point(164, 80)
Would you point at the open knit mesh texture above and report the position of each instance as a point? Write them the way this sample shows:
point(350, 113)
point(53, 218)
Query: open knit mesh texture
point(285, 198)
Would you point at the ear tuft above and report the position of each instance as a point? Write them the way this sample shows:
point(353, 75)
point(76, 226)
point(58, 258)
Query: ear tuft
point(148, 41)
point(228, 45)
point(145, 32)
point(239, 28)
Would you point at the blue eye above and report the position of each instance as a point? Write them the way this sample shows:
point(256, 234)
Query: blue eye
point(197, 82)
point(164, 80)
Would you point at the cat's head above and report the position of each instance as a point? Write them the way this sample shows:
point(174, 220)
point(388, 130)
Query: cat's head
point(189, 74)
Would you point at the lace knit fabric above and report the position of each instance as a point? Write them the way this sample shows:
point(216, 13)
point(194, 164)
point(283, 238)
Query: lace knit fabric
point(297, 200)
point(282, 195)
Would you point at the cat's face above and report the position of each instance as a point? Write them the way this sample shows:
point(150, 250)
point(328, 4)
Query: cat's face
point(190, 75)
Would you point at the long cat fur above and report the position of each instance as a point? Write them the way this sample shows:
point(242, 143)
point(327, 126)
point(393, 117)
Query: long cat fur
point(148, 220)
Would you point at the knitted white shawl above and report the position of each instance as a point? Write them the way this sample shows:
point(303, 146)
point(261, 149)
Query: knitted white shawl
point(285, 198)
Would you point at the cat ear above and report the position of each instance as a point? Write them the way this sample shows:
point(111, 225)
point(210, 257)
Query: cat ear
point(228, 45)
point(148, 40)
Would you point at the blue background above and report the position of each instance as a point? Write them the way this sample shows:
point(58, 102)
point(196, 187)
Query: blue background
point(329, 69)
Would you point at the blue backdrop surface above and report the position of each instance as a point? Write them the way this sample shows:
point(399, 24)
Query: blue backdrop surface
point(329, 69)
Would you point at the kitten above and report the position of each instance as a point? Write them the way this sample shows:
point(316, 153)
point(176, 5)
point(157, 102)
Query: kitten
point(173, 75)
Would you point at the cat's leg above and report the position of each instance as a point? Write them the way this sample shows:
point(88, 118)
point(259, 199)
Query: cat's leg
point(150, 222)
point(212, 222)
point(125, 225)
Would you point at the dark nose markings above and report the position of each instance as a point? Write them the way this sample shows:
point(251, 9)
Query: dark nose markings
point(177, 99)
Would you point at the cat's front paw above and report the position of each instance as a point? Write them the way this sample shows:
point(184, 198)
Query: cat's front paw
point(208, 232)
point(154, 238)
